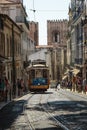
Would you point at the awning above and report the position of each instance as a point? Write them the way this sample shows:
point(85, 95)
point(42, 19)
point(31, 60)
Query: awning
point(64, 77)
point(75, 71)
point(66, 72)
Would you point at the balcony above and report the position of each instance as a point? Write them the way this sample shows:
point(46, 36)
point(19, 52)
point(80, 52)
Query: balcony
point(21, 19)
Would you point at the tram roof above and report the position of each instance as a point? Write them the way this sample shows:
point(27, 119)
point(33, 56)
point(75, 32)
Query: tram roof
point(36, 66)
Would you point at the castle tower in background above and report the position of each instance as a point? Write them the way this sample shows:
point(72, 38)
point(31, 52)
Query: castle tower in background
point(57, 32)
point(57, 37)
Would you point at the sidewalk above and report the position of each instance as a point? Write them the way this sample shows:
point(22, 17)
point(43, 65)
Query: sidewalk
point(2, 104)
point(79, 93)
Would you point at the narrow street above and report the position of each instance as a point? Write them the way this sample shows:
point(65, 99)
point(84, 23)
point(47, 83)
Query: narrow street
point(43, 65)
point(52, 110)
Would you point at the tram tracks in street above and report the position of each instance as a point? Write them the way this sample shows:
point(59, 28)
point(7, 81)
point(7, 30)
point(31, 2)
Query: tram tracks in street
point(44, 107)
point(21, 122)
point(28, 108)
point(29, 124)
point(74, 114)
point(67, 119)
point(40, 111)
point(47, 109)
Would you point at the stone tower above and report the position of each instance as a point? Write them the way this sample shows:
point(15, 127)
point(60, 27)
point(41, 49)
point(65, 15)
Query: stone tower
point(57, 32)
point(57, 37)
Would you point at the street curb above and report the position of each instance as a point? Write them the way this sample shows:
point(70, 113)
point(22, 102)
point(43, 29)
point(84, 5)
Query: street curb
point(3, 104)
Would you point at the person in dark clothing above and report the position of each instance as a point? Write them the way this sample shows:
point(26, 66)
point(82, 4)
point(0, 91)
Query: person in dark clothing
point(70, 85)
point(19, 86)
point(58, 85)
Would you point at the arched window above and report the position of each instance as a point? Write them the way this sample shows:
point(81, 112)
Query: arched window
point(56, 37)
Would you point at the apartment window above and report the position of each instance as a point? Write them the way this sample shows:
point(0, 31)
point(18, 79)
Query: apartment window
point(16, 48)
point(2, 44)
point(10, 46)
point(7, 46)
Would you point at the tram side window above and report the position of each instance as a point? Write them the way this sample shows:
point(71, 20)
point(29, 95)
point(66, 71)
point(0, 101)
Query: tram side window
point(32, 73)
point(38, 73)
point(45, 73)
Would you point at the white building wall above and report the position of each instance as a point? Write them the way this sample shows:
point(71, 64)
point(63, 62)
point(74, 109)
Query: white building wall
point(38, 55)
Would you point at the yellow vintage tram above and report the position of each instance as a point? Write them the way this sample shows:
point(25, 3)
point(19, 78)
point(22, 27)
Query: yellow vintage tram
point(38, 76)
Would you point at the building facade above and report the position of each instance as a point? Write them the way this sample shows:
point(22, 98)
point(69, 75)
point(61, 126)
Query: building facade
point(57, 37)
point(16, 11)
point(76, 42)
point(10, 49)
point(34, 32)
point(78, 25)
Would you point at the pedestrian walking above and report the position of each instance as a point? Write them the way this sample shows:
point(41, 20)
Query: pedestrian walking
point(58, 85)
point(84, 85)
point(8, 87)
point(74, 83)
point(19, 86)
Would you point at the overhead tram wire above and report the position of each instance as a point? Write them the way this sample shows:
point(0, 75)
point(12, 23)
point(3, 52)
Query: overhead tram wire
point(47, 10)
point(34, 11)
